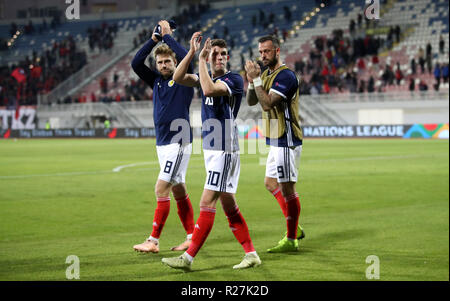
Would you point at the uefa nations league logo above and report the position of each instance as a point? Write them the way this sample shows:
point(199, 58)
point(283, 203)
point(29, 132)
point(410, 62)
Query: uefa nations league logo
point(372, 10)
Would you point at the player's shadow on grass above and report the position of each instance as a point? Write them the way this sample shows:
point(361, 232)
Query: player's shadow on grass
point(331, 238)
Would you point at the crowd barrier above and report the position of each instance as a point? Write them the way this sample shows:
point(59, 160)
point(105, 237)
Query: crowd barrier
point(427, 131)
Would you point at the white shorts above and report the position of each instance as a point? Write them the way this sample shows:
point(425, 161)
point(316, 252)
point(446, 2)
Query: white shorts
point(222, 170)
point(283, 162)
point(173, 161)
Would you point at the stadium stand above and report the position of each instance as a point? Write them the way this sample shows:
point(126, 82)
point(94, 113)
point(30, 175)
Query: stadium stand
point(108, 79)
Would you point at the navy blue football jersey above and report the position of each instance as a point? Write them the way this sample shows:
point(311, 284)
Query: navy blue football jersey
point(219, 131)
point(285, 84)
point(171, 101)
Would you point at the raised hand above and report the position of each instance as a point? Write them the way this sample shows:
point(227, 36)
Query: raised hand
point(253, 70)
point(165, 28)
point(206, 49)
point(195, 41)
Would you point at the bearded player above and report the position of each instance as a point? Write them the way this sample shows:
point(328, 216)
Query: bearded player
point(277, 91)
point(171, 102)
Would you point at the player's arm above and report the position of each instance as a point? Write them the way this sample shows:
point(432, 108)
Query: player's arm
point(138, 63)
point(180, 51)
point(210, 88)
point(181, 75)
point(251, 97)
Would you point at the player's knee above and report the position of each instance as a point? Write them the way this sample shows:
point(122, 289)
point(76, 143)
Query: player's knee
point(270, 184)
point(162, 189)
point(288, 189)
point(179, 190)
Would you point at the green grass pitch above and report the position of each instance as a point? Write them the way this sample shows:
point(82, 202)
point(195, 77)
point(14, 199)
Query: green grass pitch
point(388, 198)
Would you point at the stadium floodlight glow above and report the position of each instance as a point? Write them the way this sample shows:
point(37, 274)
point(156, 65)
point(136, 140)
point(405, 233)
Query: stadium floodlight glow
point(322, 5)
point(14, 36)
point(307, 18)
point(302, 23)
point(312, 14)
point(17, 32)
point(297, 27)
point(9, 44)
point(31, 66)
point(317, 9)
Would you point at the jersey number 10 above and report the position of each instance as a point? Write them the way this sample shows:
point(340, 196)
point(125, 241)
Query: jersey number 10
point(213, 178)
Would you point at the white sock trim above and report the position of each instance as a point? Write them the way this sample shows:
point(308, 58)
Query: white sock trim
point(251, 253)
point(189, 236)
point(188, 257)
point(156, 240)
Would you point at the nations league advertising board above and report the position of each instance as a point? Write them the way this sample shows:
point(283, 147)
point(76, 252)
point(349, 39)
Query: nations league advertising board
point(427, 131)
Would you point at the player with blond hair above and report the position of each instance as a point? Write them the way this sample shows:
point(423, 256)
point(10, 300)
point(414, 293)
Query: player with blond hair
point(171, 103)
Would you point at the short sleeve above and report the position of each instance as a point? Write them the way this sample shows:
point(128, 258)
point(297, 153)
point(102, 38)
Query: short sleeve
point(233, 82)
point(285, 84)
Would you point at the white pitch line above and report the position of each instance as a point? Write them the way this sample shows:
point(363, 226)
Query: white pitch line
point(64, 174)
point(76, 173)
point(119, 168)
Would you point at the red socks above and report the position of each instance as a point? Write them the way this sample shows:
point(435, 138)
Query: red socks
point(186, 213)
point(293, 214)
point(239, 228)
point(279, 196)
point(203, 226)
point(161, 213)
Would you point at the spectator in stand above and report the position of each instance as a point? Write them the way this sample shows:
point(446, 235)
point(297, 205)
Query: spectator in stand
point(115, 79)
point(413, 66)
point(43, 71)
point(423, 86)
point(362, 86)
point(397, 32)
point(388, 76)
point(285, 34)
point(360, 17)
point(361, 66)
point(445, 73)
point(371, 85)
point(262, 17)
point(375, 62)
point(412, 84)
point(287, 13)
point(441, 45)
point(326, 87)
point(429, 53)
point(352, 27)
point(104, 85)
point(437, 76)
point(398, 74)
point(300, 67)
point(421, 60)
